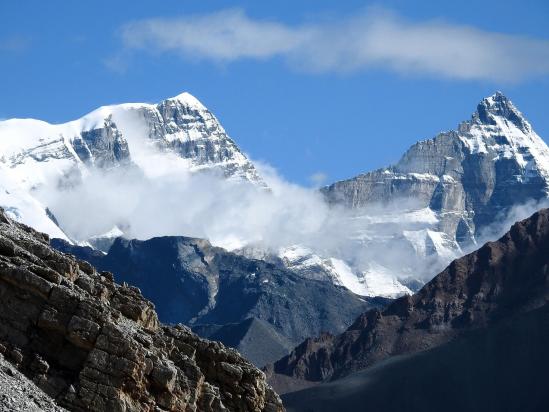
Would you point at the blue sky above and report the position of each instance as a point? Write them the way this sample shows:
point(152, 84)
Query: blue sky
point(310, 87)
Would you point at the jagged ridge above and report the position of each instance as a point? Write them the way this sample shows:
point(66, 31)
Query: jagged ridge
point(36, 154)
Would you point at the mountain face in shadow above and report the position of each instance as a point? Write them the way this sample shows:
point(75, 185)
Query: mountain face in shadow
point(192, 282)
point(499, 368)
point(501, 282)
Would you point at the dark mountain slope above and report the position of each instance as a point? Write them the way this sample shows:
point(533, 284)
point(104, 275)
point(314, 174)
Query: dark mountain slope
point(193, 282)
point(254, 337)
point(502, 279)
point(500, 368)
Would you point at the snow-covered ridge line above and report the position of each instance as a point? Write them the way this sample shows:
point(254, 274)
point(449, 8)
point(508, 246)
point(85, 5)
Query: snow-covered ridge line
point(402, 222)
point(180, 125)
point(179, 133)
point(469, 179)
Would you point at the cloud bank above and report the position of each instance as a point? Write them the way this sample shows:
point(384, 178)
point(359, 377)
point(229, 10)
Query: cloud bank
point(158, 195)
point(371, 39)
point(234, 215)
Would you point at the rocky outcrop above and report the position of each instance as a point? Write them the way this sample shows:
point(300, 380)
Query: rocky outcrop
point(502, 279)
point(102, 147)
point(92, 344)
point(184, 126)
point(193, 282)
point(18, 393)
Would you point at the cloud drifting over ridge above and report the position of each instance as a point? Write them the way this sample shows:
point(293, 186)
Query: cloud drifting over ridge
point(372, 39)
point(157, 195)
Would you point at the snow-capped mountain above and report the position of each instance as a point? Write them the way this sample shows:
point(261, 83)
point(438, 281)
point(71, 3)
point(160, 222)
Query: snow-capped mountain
point(446, 193)
point(388, 230)
point(467, 176)
point(180, 130)
point(376, 280)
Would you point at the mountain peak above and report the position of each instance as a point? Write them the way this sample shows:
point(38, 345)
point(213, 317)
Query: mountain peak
point(188, 99)
point(499, 105)
point(497, 102)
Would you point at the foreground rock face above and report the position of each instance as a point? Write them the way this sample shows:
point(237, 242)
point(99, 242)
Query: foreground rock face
point(94, 345)
point(502, 279)
point(18, 393)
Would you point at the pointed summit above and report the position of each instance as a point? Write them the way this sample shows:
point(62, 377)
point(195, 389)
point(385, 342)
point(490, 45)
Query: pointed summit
point(499, 105)
point(189, 100)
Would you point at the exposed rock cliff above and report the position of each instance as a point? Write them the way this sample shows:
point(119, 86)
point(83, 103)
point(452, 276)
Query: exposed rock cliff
point(92, 344)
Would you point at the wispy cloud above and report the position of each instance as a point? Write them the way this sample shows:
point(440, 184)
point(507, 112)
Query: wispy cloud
point(318, 179)
point(374, 38)
point(14, 44)
point(117, 63)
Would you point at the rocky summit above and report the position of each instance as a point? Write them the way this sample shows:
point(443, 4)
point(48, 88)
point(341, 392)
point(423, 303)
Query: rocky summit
point(447, 194)
point(92, 344)
point(179, 131)
point(467, 176)
point(499, 282)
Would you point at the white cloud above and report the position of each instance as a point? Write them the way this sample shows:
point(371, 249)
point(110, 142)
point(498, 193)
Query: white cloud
point(318, 178)
point(503, 221)
point(373, 38)
point(158, 196)
point(162, 198)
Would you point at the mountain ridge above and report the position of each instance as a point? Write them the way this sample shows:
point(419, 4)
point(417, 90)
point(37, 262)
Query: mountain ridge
point(501, 279)
point(179, 131)
point(200, 285)
point(468, 180)
point(443, 197)
point(502, 367)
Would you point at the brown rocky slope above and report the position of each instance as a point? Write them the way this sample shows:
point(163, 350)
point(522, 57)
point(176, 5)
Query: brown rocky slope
point(92, 344)
point(502, 279)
